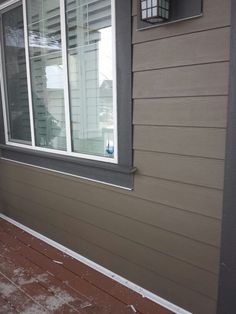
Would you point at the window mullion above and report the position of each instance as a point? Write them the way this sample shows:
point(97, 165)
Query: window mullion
point(29, 83)
point(3, 90)
point(66, 78)
point(115, 109)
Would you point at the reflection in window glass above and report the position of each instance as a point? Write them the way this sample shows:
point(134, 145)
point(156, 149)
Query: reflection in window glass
point(90, 59)
point(44, 30)
point(15, 65)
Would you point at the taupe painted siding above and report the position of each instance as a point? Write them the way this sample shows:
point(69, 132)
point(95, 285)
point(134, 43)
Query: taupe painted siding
point(216, 15)
point(165, 234)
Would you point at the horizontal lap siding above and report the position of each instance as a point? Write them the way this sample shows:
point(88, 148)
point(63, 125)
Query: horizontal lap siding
point(190, 49)
point(165, 234)
point(180, 106)
point(186, 169)
point(201, 142)
point(216, 15)
point(105, 238)
point(124, 226)
point(208, 111)
point(194, 80)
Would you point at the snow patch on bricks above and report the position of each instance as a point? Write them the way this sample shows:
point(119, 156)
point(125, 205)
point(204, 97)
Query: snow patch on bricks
point(7, 289)
point(23, 278)
point(55, 302)
point(34, 309)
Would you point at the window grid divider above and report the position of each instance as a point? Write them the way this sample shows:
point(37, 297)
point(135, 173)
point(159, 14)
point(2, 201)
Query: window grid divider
point(29, 82)
point(66, 75)
point(115, 109)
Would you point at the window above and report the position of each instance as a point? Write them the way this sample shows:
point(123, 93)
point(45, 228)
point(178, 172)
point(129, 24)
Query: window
point(66, 86)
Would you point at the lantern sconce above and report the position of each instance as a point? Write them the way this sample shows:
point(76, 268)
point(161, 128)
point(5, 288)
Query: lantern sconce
point(155, 11)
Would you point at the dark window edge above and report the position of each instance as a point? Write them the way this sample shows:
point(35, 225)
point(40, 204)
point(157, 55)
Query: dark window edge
point(124, 81)
point(227, 278)
point(103, 172)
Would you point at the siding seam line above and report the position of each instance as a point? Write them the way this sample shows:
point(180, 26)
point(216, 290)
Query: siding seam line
point(122, 237)
point(123, 216)
point(180, 126)
point(180, 155)
point(181, 182)
point(180, 96)
point(179, 66)
point(180, 35)
point(177, 35)
point(117, 192)
point(117, 234)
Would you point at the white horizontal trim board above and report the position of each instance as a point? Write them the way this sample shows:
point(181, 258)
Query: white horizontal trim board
point(132, 286)
point(65, 173)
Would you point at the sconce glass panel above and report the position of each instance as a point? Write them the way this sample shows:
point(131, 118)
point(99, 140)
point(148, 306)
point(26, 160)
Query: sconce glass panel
point(155, 11)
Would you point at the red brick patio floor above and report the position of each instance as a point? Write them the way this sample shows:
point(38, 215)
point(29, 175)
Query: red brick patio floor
point(36, 278)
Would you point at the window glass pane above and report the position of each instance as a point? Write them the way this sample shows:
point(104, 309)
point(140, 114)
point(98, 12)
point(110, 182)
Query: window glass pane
point(16, 80)
point(47, 73)
point(91, 77)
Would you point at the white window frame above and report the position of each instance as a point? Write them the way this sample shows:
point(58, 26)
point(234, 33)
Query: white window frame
point(33, 146)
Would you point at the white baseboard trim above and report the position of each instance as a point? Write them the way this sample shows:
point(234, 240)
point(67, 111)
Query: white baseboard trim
point(145, 293)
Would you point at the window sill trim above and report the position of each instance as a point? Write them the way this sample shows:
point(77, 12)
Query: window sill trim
point(106, 173)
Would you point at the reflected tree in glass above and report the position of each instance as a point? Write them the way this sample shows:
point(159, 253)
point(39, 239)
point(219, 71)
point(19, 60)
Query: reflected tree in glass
point(16, 80)
point(47, 76)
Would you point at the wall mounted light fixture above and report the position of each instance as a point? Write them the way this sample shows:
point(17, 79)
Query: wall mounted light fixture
point(155, 11)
